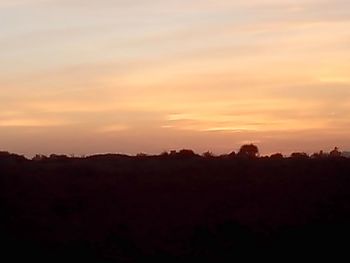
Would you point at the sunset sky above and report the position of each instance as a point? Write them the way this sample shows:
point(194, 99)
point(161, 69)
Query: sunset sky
point(95, 76)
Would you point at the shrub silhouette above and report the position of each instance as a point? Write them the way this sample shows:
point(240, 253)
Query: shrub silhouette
point(39, 157)
point(58, 157)
point(298, 155)
point(318, 155)
point(232, 154)
point(185, 153)
point(276, 156)
point(208, 154)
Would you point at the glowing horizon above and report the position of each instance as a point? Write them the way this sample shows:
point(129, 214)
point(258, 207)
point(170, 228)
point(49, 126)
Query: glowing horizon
point(83, 77)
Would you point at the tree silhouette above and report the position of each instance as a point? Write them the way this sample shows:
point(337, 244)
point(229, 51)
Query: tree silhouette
point(249, 150)
point(335, 152)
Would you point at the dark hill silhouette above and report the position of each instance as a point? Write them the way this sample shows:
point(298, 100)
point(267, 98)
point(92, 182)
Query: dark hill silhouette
point(174, 207)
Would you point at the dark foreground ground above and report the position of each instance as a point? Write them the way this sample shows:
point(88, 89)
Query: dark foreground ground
point(133, 209)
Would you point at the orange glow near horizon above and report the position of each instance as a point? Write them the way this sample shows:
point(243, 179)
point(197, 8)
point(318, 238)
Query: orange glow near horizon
point(139, 76)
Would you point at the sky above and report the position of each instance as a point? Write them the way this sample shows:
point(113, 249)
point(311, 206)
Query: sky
point(94, 76)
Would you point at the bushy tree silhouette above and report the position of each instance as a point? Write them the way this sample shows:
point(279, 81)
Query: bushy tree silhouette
point(249, 150)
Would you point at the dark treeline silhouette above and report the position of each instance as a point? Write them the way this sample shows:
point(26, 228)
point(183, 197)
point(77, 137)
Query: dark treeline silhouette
point(177, 206)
